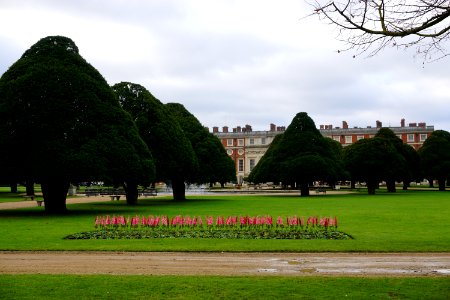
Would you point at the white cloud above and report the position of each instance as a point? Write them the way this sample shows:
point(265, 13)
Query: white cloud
point(234, 62)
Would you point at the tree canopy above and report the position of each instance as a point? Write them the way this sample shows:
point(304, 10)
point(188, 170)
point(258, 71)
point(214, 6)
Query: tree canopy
point(398, 168)
point(61, 123)
point(172, 151)
point(370, 26)
point(300, 156)
point(435, 157)
point(214, 163)
point(372, 161)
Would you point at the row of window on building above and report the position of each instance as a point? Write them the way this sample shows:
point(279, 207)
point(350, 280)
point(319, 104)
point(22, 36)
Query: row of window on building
point(343, 139)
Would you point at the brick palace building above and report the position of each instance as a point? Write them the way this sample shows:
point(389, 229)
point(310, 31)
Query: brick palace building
point(246, 147)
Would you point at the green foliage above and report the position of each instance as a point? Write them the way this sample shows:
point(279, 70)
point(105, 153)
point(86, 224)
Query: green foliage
point(435, 157)
point(214, 163)
point(61, 124)
point(373, 160)
point(301, 155)
point(216, 233)
point(174, 156)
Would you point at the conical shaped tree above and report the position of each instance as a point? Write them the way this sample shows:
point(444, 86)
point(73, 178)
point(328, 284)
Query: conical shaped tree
point(62, 124)
point(214, 163)
point(302, 155)
point(175, 159)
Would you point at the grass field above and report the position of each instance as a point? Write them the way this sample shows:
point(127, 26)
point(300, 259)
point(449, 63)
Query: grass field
point(214, 287)
point(405, 221)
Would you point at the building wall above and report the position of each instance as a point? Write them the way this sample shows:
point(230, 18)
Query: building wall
point(246, 147)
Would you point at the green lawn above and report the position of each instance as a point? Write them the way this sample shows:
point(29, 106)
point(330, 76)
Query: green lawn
point(214, 287)
point(404, 221)
point(7, 196)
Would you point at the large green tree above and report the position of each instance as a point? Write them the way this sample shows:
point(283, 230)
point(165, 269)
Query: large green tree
point(61, 123)
point(300, 156)
point(372, 161)
point(399, 167)
point(172, 151)
point(214, 163)
point(435, 157)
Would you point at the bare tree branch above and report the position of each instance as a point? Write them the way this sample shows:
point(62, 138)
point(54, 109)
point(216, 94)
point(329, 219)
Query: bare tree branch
point(371, 25)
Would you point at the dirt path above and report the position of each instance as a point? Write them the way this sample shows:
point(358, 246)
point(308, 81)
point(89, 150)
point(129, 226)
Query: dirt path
point(234, 264)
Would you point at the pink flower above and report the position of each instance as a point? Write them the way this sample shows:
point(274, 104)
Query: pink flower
point(279, 221)
point(219, 221)
point(333, 222)
point(209, 221)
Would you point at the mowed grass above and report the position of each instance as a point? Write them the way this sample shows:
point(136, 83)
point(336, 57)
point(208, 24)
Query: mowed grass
point(415, 221)
point(215, 287)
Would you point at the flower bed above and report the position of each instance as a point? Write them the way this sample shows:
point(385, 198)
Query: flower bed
point(233, 227)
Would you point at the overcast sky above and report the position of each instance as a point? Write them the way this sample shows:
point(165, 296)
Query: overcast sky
point(237, 62)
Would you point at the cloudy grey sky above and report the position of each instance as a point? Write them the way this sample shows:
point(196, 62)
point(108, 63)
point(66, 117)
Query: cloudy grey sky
point(235, 62)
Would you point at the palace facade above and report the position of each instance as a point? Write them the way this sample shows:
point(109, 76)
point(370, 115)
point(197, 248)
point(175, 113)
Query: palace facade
point(246, 147)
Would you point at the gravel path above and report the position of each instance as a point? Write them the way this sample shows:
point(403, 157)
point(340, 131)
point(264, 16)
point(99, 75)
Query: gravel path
point(233, 264)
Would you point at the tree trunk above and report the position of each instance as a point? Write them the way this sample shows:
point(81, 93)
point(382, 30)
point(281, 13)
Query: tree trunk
point(304, 190)
point(131, 192)
point(55, 193)
point(352, 184)
point(178, 189)
point(441, 183)
point(390, 185)
point(30, 187)
point(430, 181)
point(13, 186)
point(371, 187)
point(406, 185)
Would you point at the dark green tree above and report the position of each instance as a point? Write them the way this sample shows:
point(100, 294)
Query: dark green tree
point(174, 157)
point(435, 157)
point(61, 123)
point(214, 163)
point(300, 156)
point(399, 168)
point(372, 161)
point(412, 171)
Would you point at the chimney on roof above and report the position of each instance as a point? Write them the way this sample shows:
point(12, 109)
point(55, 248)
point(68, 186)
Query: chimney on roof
point(215, 129)
point(248, 128)
point(344, 125)
point(422, 124)
point(412, 124)
point(238, 129)
point(322, 127)
point(225, 129)
point(402, 122)
point(379, 124)
point(273, 127)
